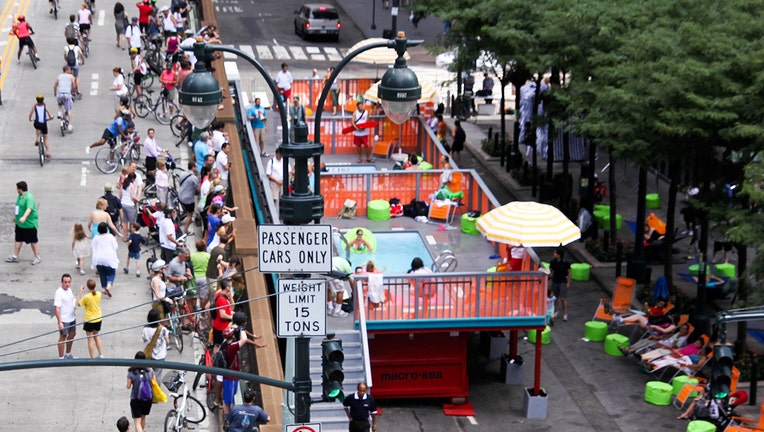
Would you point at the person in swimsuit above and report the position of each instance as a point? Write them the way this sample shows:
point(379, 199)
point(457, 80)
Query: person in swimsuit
point(360, 244)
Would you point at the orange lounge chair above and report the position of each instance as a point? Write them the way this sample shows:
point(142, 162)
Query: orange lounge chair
point(739, 424)
point(622, 295)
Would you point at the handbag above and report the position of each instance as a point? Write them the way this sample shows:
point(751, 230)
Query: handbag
point(159, 396)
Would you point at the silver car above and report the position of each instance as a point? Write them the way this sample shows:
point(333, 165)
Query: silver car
point(317, 19)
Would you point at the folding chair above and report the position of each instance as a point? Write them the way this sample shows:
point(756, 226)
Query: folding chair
point(747, 424)
point(681, 399)
point(622, 295)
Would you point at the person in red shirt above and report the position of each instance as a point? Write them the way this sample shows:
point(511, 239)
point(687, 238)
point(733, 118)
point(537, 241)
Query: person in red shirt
point(144, 10)
point(23, 31)
point(224, 312)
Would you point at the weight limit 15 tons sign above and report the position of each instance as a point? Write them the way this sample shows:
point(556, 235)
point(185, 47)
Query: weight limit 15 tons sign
point(301, 310)
point(295, 248)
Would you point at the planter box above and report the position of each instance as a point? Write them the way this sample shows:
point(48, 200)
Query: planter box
point(511, 373)
point(486, 109)
point(535, 407)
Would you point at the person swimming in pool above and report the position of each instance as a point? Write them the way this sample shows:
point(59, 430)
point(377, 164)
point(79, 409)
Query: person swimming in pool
point(360, 244)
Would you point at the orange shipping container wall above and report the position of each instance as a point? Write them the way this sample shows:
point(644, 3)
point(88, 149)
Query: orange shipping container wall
point(420, 365)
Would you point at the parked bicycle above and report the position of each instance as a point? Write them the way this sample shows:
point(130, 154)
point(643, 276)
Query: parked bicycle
point(108, 159)
point(186, 408)
point(209, 379)
point(174, 318)
point(163, 108)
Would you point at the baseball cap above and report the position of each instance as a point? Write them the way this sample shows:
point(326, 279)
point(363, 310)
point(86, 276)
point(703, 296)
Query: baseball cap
point(227, 219)
point(217, 189)
point(107, 187)
point(158, 265)
point(135, 19)
point(164, 8)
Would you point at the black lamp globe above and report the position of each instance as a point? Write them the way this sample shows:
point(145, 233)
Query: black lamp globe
point(399, 88)
point(199, 96)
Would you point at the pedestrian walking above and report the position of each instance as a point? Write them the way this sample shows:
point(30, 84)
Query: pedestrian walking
point(257, 116)
point(199, 261)
point(296, 115)
point(361, 410)
point(284, 82)
point(26, 223)
point(63, 302)
point(245, 417)
point(134, 243)
point(458, 145)
point(93, 316)
point(560, 269)
point(80, 246)
point(159, 335)
point(105, 260)
point(140, 401)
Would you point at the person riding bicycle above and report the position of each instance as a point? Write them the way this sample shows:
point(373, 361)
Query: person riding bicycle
point(119, 128)
point(74, 57)
point(23, 31)
point(85, 19)
point(40, 115)
point(72, 30)
point(64, 87)
point(245, 417)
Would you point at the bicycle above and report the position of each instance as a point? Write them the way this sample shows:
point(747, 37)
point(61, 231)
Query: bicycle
point(85, 43)
point(186, 408)
point(108, 159)
point(41, 146)
point(163, 108)
point(64, 122)
point(146, 82)
point(209, 379)
point(32, 55)
point(173, 317)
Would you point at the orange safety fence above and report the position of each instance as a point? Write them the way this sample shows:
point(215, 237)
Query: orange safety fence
point(404, 185)
point(450, 296)
point(309, 91)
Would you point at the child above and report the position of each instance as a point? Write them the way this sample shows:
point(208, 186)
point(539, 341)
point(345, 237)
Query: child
point(134, 243)
point(80, 246)
point(162, 181)
point(550, 301)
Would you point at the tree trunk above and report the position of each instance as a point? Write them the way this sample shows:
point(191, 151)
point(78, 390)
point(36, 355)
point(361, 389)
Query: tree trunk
point(639, 237)
point(566, 198)
point(670, 211)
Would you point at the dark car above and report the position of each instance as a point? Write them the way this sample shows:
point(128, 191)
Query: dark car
point(316, 19)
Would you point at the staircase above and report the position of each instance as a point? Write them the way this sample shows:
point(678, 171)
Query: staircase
point(331, 415)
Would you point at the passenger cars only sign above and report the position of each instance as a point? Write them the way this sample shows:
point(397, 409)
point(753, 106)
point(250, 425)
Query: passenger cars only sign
point(295, 248)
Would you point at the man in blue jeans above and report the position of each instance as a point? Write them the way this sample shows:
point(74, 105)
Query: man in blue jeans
point(256, 114)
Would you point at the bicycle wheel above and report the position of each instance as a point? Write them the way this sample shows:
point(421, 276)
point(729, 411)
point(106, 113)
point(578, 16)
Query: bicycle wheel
point(177, 125)
point(150, 190)
point(174, 201)
point(86, 51)
point(63, 128)
point(135, 153)
point(41, 150)
point(195, 411)
point(164, 111)
point(142, 106)
point(172, 422)
point(177, 335)
point(199, 376)
point(147, 81)
point(106, 160)
point(32, 57)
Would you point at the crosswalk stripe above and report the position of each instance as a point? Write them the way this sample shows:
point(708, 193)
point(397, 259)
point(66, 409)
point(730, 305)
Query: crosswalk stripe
point(280, 52)
point(229, 56)
point(317, 57)
point(332, 54)
point(263, 52)
point(313, 49)
point(247, 49)
point(298, 53)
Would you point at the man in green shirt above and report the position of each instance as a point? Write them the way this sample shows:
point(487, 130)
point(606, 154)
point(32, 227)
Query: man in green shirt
point(26, 223)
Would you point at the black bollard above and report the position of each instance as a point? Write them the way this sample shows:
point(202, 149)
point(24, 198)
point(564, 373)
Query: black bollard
point(618, 258)
point(754, 379)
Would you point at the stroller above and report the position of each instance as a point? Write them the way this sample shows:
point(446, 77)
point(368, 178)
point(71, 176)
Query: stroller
point(146, 218)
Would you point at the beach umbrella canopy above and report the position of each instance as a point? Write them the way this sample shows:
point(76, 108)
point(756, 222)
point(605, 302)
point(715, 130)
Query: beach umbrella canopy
point(380, 55)
point(529, 224)
point(428, 92)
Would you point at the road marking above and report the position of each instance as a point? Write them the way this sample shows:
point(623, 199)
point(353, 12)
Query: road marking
point(229, 56)
point(332, 54)
point(298, 53)
point(247, 50)
point(280, 52)
point(318, 57)
point(313, 50)
point(472, 420)
point(430, 240)
point(94, 84)
point(101, 17)
point(263, 52)
point(84, 175)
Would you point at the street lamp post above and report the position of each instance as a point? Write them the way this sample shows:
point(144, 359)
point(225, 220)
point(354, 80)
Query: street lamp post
point(200, 95)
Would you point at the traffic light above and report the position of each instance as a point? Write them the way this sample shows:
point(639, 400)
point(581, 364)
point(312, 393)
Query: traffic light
point(721, 371)
point(331, 364)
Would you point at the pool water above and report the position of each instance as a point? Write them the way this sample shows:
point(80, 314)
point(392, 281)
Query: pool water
point(394, 252)
point(351, 169)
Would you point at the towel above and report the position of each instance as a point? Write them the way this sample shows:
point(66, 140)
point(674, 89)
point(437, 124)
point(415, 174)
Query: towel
point(376, 288)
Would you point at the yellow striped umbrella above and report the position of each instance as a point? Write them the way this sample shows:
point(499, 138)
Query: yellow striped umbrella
point(380, 55)
point(428, 93)
point(529, 224)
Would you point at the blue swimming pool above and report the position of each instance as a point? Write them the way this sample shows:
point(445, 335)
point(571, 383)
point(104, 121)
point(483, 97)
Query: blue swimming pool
point(394, 251)
point(351, 168)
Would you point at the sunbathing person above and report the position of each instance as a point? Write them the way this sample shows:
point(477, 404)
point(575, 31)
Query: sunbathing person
point(653, 315)
point(671, 337)
point(692, 356)
point(737, 398)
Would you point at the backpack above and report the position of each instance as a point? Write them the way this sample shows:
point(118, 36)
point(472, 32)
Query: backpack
point(145, 393)
point(69, 31)
point(71, 57)
point(218, 360)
